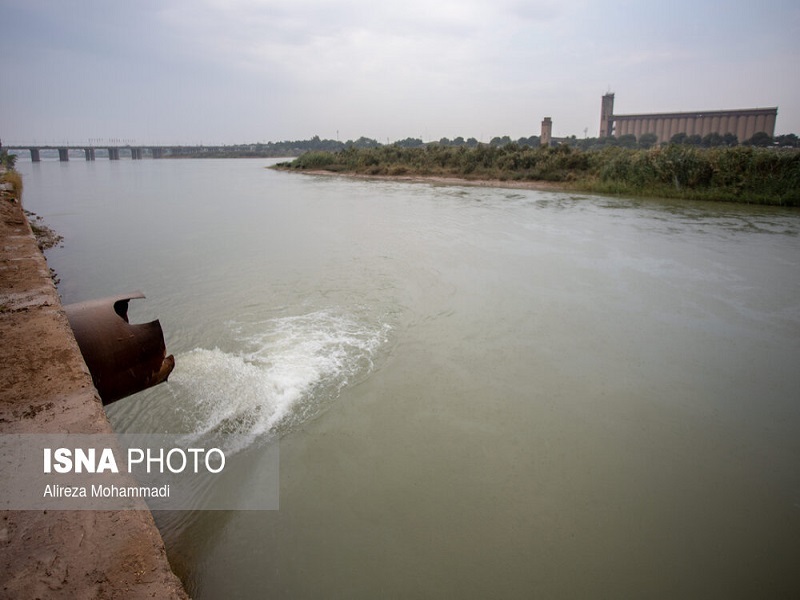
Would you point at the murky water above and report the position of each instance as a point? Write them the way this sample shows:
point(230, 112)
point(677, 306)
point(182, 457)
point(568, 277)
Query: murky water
point(480, 393)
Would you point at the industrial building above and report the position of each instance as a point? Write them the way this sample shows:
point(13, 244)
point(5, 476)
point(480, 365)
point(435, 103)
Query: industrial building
point(546, 136)
point(743, 123)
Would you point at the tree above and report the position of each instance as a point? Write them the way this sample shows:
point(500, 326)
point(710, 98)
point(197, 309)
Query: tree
point(532, 141)
point(760, 138)
point(647, 140)
point(363, 142)
point(790, 140)
point(500, 141)
point(626, 141)
point(678, 138)
point(730, 139)
point(712, 139)
point(409, 143)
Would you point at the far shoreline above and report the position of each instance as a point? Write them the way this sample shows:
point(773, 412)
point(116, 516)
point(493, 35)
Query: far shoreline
point(532, 185)
point(542, 186)
point(725, 174)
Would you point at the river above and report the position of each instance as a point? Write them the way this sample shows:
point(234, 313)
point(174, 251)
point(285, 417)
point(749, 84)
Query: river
point(478, 392)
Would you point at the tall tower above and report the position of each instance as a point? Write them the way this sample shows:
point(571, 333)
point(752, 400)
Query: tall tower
point(607, 115)
point(547, 132)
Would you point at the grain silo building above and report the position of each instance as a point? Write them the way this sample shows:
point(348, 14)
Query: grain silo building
point(743, 123)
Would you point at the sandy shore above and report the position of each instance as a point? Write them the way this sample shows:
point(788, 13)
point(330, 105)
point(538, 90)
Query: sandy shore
point(546, 186)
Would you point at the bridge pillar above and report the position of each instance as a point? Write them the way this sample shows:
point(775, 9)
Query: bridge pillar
point(136, 154)
point(157, 152)
point(63, 154)
point(89, 152)
point(35, 155)
point(113, 154)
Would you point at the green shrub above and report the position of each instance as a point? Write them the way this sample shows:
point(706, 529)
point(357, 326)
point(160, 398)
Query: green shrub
point(313, 160)
point(7, 160)
point(15, 179)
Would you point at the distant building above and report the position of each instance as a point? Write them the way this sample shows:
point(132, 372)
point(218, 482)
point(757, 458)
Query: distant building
point(743, 123)
point(607, 116)
point(547, 132)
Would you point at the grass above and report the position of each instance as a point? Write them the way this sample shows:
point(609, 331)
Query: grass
point(15, 179)
point(739, 174)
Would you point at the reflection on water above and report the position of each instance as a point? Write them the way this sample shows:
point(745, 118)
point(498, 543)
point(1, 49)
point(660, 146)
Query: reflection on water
point(478, 392)
point(717, 218)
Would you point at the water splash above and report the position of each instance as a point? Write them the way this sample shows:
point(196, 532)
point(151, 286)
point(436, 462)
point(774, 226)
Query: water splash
point(286, 371)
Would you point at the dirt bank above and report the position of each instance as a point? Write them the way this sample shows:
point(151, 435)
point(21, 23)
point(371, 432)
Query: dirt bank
point(46, 388)
point(547, 186)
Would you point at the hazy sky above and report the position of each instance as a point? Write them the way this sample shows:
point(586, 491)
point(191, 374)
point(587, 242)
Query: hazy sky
point(228, 71)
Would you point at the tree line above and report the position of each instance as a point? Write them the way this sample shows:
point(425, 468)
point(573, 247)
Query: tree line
point(644, 141)
point(711, 140)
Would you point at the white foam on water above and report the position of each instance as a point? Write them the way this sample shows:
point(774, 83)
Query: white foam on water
point(285, 372)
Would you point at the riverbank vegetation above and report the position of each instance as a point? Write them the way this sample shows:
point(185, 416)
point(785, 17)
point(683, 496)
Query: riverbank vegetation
point(10, 180)
point(7, 160)
point(738, 174)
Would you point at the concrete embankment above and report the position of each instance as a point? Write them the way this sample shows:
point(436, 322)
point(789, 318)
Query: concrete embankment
point(46, 388)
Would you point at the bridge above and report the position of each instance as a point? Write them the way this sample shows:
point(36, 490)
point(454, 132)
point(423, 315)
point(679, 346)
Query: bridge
point(91, 152)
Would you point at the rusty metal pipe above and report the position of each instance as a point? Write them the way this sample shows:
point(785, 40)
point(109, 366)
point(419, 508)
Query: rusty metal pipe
point(122, 358)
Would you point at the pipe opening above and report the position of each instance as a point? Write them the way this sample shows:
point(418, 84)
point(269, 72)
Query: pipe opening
point(121, 308)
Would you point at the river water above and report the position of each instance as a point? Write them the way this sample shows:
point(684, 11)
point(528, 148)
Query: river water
point(479, 393)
